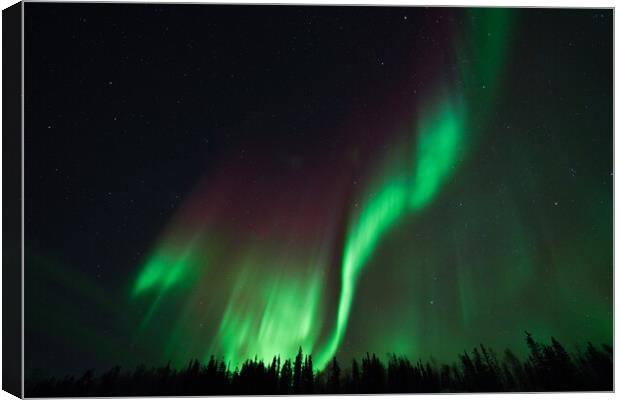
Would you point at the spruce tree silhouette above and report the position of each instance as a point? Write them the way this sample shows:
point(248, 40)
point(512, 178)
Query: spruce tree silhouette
point(297, 372)
point(308, 376)
point(355, 386)
point(333, 384)
point(286, 378)
point(547, 367)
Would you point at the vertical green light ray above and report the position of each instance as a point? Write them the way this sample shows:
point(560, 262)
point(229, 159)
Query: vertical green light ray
point(268, 315)
point(151, 312)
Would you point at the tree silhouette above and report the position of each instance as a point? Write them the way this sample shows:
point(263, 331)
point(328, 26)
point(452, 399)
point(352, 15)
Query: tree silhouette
point(286, 378)
point(354, 385)
point(547, 367)
point(333, 384)
point(297, 379)
point(308, 376)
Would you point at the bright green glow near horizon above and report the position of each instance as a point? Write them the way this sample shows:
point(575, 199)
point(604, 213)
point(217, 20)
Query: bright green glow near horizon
point(269, 316)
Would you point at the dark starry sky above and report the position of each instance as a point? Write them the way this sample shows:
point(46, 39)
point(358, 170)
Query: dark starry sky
point(144, 121)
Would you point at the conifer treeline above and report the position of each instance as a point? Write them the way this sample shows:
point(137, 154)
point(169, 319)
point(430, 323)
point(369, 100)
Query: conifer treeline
point(548, 367)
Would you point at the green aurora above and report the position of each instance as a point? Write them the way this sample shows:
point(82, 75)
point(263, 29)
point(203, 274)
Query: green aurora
point(461, 195)
point(267, 316)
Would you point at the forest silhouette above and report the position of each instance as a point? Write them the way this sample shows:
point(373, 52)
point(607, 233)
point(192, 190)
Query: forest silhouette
point(547, 367)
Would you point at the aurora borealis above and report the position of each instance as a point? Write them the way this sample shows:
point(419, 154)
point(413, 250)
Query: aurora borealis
point(244, 181)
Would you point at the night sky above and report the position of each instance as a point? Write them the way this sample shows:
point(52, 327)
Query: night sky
point(244, 180)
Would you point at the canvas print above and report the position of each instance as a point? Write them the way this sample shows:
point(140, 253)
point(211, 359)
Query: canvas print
point(285, 199)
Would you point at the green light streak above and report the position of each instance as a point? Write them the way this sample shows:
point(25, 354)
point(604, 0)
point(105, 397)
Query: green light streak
point(168, 267)
point(160, 271)
point(441, 142)
point(441, 136)
point(398, 196)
